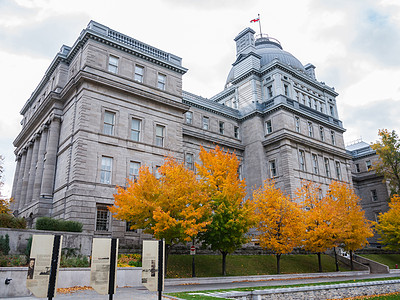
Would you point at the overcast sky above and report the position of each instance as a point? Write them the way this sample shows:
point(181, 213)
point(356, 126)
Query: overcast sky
point(355, 46)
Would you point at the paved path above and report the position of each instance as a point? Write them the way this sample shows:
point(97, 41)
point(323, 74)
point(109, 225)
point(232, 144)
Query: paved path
point(199, 284)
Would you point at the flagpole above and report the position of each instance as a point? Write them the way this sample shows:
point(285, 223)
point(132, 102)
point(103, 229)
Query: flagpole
point(259, 23)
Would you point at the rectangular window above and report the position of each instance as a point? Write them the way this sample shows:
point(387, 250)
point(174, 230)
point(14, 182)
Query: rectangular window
point(297, 123)
point(320, 195)
point(286, 87)
point(139, 72)
point(240, 172)
point(368, 164)
point(272, 168)
point(310, 129)
point(128, 227)
point(106, 169)
point(374, 195)
point(157, 173)
point(327, 168)
point(315, 164)
point(331, 110)
point(109, 122)
point(298, 96)
point(221, 127)
point(321, 133)
point(333, 139)
point(102, 218)
point(162, 79)
point(338, 171)
point(189, 161)
point(358, 168)
point(113, 64)
point(189, 117)
point(322, 108)
point(236, 132)
point(135, 129)
point(302, 161)
point(206, 123)
point(315, 105)
point(134, 168)
point(268, 126)
point(160, 134)
point(269, 92)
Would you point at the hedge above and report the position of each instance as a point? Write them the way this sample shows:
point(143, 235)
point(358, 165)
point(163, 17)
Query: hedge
point(9, 221)
point(47, 223)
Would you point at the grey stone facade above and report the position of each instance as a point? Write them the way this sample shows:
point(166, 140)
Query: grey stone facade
point(111, 103)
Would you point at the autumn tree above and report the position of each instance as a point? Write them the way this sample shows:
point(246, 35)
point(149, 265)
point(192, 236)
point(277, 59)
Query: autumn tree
point(353, 228)
point(388, 226)
point(231, 216)
point(320, 234)
point(279, 221)
point(173, 207)
point(4, 203)
point(388, 149)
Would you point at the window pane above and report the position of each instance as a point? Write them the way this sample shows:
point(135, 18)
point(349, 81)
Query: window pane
point(134, 170)
point(106, 169)
point(160, 135)
point(113, 64)
point(135, 129)
point(109, 121)
point(139, 71)
point(102, 217)
point(161, 81)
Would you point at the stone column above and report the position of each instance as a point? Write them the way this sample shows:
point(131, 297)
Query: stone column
point(32, 169)
point(40, 163)
point(18, 188)
point(51, 158)
point(15, 182)
point(26, 176)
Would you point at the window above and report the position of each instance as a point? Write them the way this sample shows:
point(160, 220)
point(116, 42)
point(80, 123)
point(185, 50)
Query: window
point(235, 104)
point(327, 168)
point(102, 218)
point(139, 71)
point(189, 161)
point(240, 172)
point(358, 168)
point(374, 195)
point(338, 171)
point(320, 195)
point(286, 87)
point(157, 173)
point(272, 168)
point(134, 168)
point(309, 101)
point(298, 96)
point(331, 110)
point(161, 81)
point(268, 126)
point(315, 105)
point(135, 129)
point(310, 130)
point(321, 133)
point(322, 108)
point(368, 164)
point(315, 164)
point(106, 169)
point(206, 123)
point(269, 92)
point(297, 123)
point(109, 122)
point(189, 117)
point(113, 64)
point(236, 132)
point(128, 227)
point(302, 162)
point(333, 139)
point(160, 132)
point(221, 127)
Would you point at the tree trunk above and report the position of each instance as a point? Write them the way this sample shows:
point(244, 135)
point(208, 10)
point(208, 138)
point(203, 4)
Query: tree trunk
point(336, 260)
point(278, 266)
point(224, 254)
point(319, 262)
point(351, 260)
point(193, 264)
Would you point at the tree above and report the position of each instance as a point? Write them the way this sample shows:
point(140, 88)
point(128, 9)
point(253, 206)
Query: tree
point(388, 226)
point(4, 203)
point(388, 149)
point(231, 216)
point(353, 228)
point(279, 221)
point(173, 208)
point(320, 234)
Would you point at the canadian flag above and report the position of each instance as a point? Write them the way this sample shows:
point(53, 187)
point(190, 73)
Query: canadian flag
point(255, 20)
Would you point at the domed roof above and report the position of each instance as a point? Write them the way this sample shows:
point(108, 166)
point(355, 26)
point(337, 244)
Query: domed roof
point(269, 49)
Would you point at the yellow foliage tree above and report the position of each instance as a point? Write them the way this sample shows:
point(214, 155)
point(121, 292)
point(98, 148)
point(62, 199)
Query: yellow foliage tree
point(173, 207)
point(388, 226)
point(232, 216)
point(279, 221)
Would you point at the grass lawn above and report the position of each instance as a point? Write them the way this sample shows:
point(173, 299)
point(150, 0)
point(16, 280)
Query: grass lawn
point(180, 266)
point(387, 259)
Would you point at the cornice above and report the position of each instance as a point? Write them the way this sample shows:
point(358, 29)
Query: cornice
point(208, 138)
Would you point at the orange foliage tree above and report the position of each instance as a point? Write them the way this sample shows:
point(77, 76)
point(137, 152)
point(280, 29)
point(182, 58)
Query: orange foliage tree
point(388, 226)
point(173, 207)
point(279, 221)
point(231, 216)
point(319, 218)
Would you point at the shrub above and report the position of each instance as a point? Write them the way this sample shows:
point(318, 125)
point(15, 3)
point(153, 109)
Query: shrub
point(9, 221)
point(129, 260)
point(12, 260)
point(79, 261)
point(4, 244)
point(47, 223)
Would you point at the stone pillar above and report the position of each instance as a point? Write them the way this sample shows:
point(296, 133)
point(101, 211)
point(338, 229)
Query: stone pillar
point(32, 169)
point(18, 188)
point(15, 182)
point(51, 158)
point(26, 176)
point(39, 168)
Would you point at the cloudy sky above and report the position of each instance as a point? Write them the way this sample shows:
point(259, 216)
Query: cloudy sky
point(355, 46)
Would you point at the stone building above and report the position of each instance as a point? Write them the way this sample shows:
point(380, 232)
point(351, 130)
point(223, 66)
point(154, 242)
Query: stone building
point(110, 103)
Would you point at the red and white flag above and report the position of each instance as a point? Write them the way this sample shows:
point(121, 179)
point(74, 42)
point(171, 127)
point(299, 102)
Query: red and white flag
point(255, 20)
